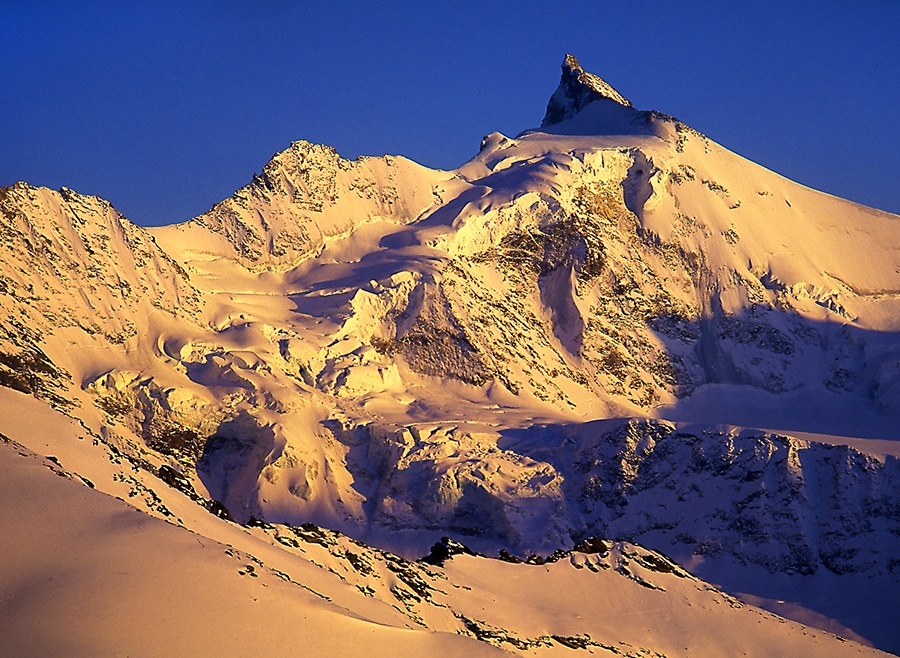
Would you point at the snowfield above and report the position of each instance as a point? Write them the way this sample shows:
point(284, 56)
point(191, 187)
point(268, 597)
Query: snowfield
point(660, 381)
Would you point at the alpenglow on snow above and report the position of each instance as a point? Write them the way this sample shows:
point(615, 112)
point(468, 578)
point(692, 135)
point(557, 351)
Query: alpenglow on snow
point(607, 346)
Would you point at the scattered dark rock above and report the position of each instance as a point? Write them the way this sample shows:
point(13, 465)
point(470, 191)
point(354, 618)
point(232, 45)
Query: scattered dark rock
point(176, 480)
point(556, 556)
point(31, 371)
point(592, 545)
point(312, 534)
point(254, 522)
point(444, 550)
point(506, 556)
point(218, 509)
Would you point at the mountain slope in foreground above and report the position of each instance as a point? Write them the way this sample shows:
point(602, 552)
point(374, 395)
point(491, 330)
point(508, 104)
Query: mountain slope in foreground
point(603, 333)
point(88, 574)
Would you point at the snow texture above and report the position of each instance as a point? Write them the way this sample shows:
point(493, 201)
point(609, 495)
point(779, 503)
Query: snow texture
point(608, 349)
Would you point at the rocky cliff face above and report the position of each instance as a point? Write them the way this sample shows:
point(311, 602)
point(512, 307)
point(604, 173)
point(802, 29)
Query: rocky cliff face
point(71, 267)
point(785, 505)
point(576, 89)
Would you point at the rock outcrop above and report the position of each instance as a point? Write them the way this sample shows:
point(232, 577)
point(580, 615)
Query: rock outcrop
point(576, 89)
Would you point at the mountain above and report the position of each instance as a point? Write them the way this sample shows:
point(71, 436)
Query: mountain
point(577, 88)
point(607, 344)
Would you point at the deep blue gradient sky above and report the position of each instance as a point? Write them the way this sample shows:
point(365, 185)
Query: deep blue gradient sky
point(167, 109)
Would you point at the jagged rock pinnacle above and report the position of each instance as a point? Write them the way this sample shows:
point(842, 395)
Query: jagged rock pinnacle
point(576, 89)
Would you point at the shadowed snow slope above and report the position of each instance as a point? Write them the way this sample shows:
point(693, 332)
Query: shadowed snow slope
point(573, 335)
point(94, 576)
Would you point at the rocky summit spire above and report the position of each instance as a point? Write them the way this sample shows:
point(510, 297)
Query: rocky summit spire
point(576, 89)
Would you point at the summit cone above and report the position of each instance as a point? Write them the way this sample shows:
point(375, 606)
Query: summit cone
point(576, 89)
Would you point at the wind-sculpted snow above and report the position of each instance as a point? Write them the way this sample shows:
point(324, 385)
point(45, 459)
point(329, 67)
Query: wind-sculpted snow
point(560, 340)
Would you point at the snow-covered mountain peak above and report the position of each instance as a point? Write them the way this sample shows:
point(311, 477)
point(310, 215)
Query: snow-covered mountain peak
point(306, 194)
point(567, 340)
point(576, 89)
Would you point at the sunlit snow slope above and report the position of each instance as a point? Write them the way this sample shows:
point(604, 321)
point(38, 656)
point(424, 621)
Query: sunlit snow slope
point(607, 327)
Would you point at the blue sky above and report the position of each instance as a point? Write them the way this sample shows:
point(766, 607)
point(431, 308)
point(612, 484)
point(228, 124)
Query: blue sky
point(167, 109)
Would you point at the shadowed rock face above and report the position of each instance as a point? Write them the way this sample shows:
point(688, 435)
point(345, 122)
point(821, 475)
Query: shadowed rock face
point(576, 89)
